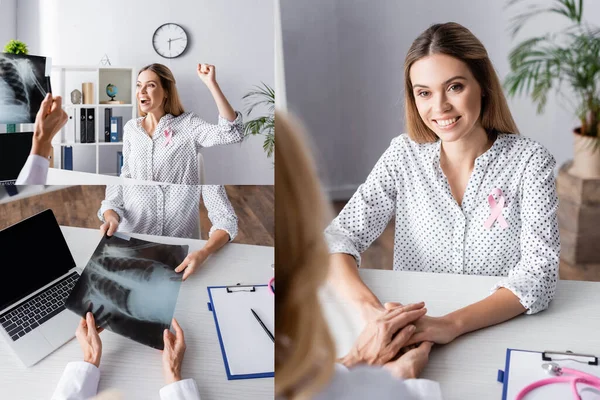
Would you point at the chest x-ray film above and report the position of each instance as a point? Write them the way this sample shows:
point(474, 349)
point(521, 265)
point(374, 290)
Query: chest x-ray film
point(131, 288)
point(24, 82)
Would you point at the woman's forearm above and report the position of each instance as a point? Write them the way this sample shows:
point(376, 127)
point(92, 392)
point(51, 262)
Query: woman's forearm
point(218, 239)
point(225, 109)
point(500, 306)
point(344, 277)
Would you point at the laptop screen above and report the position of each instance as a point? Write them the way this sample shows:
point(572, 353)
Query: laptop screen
point(35, 252)
point(14, 150)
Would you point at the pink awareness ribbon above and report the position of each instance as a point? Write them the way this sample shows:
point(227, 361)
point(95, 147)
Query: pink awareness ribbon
point(496, 209)
point(168, 136)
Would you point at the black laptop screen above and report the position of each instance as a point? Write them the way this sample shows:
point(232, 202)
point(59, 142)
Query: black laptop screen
point(33, 253)
point(14, 150)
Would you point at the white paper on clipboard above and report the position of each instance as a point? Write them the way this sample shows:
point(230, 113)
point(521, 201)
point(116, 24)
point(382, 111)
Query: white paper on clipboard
point(248, 352)
point(525, 367)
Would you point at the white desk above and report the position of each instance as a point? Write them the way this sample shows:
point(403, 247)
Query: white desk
point(58, 176)
point(136, 369)
point(467, 368)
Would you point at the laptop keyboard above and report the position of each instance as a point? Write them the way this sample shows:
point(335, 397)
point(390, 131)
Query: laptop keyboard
point(39, 309)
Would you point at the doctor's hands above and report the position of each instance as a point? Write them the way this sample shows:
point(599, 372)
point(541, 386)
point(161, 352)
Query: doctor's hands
point(384, 335)
point(172, 355)
point(192, 262)
point(48, 121)
point(89, 340)
point(410, 364)
point(111, 223)
point(207, 74)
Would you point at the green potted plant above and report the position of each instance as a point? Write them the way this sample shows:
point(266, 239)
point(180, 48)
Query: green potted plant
point(16, 47)
point(570, 56)
point(262, 95)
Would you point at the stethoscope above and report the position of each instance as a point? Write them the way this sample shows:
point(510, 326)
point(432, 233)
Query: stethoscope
point(562, 375)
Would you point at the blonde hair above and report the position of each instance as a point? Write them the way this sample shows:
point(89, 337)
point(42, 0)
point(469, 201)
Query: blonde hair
point(172, 104)
point(455, 40)
point(304, 348)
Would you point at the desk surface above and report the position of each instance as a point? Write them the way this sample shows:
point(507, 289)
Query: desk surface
point(136, 369)
point(467, 368)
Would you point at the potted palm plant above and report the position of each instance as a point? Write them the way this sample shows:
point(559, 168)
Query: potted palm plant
point(570, 56)
point(262, 95)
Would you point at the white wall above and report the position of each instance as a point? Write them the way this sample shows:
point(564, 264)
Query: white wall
point(234, 35)
point(8, 21)
point(344, 61)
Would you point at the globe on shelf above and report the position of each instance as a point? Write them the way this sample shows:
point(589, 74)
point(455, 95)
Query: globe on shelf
point(111, 91)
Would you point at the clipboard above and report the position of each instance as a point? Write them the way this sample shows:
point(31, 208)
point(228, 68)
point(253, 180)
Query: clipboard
point(247, 350)
point(523, 367)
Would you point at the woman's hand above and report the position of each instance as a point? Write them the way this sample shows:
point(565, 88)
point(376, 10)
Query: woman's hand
point(192, 262)
point(111, 223)
point(207, 74)
point(172, 355)
point(410, 364)
point(440, 330)
point(87, 336)
point(384, 336)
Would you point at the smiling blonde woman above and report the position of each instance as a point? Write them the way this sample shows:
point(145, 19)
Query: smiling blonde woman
point(468, 193)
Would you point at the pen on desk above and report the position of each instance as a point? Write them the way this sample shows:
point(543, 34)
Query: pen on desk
point(263, 325)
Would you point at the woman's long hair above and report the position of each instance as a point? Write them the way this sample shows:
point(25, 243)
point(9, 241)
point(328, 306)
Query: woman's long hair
point(455, 40)
point(172, 104)
point(304, 348)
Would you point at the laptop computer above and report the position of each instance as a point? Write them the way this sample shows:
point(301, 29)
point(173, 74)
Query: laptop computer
point(14, 150)
point(33, 318)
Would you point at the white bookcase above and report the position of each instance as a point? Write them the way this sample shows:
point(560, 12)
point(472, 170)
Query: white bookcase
point(99, 157)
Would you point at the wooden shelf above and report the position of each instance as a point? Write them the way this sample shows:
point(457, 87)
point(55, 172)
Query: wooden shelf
point(99, 155)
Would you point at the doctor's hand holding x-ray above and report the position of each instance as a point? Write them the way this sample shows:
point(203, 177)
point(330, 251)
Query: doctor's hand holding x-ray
point(49, 120)
point(80, 379)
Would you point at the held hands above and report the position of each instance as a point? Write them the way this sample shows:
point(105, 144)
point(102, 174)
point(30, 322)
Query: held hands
point(111, 223)
point(384, 335)
point(89, 340)
point(410, 364)
point(48, 121)
point(192, 262)
point(172, 355)
point(207, 74)
point(440, 330)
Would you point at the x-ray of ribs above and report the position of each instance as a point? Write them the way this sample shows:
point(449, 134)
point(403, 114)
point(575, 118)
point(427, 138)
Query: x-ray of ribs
point(150, 251)
point(136, 287)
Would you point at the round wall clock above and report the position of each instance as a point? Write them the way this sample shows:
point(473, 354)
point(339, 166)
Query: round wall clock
point(170, 40)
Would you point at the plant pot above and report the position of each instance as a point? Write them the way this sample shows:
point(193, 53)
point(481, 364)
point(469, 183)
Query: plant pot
point(586, 160)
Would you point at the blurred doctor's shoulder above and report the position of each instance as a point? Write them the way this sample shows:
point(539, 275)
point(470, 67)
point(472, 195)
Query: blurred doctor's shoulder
point(305, 359)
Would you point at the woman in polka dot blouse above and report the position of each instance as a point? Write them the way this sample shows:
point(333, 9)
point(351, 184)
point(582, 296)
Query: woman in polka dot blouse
point(163, 144)
point(468, 193)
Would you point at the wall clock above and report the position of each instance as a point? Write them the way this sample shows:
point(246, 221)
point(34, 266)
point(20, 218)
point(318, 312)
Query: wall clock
point(170, 40)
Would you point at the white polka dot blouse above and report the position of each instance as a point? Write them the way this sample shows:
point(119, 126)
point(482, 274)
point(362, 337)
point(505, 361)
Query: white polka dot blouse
point(506, 226)
point(171, 154)
point(169, 210)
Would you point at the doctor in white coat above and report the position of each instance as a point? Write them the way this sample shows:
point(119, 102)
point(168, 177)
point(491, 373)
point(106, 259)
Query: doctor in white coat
point(80, 378)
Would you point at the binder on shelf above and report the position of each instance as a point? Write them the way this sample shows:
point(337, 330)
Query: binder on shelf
point(248, 351)
point(67, 158)
point(107, 117)
point(90, 129)
point(116, 129)
point(83, 125)
point(71, 129)
point(524, 367)
point(119, 162)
